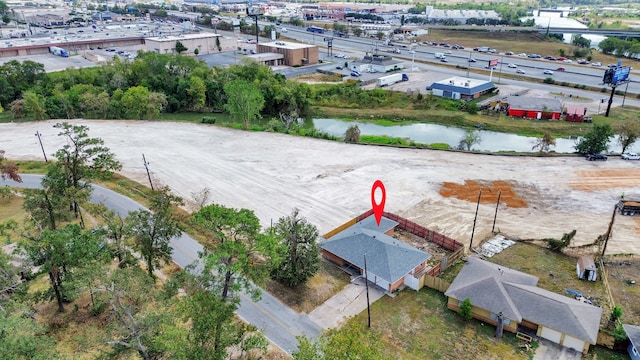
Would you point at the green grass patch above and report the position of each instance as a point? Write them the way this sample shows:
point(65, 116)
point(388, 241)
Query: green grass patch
point(384, 140)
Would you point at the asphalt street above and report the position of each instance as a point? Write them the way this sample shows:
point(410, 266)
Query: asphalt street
point(278, 322)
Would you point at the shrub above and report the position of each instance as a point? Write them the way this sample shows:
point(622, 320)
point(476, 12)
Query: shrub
point(208, 120)
point(465, 309)
point(549, 81)
point(564, 83)
point(616, 313)
point(352, 135)
point(603, 90)
point(440, 146)
point(472, 108)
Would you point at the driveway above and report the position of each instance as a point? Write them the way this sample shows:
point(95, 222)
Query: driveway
point(351, 301)
point(550, 351)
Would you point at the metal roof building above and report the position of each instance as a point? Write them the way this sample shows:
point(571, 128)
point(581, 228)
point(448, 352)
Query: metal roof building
point(461, 88)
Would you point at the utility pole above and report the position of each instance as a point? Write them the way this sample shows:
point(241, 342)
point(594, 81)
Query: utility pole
point(146, 166)
point(474, 220)
point(607, 235)
point(42, 147)
point(496, 214)
point(366, 284)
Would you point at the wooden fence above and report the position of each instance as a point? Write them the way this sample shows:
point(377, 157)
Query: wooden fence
point(605, 280)
point(434, 283)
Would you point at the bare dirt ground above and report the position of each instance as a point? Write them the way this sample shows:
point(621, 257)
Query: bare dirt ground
point(330, 182)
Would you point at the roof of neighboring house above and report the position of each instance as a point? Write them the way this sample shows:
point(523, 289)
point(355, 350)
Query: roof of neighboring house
point(558, 312)
point(633, 332)
point(388, 258)
point(482, 283)
point(463, 85)
point(496, 288)
point(534, 104)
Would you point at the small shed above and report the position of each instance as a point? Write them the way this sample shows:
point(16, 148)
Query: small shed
point(586, 268)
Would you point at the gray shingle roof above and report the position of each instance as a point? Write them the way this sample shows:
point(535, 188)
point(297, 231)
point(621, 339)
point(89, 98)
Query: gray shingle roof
point(556, 311)
point(497, 288)
point(387, 258)
point(633, 332)
point(368, 223)
point(481, 282)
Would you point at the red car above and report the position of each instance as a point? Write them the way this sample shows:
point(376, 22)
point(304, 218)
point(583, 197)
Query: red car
point(560, 69)
point(561, 58)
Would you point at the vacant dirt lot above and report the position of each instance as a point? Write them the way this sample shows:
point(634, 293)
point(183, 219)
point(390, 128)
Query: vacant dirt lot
point(331, 182)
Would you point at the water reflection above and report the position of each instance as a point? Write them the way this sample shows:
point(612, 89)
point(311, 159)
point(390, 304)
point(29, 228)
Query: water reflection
point(432, 133)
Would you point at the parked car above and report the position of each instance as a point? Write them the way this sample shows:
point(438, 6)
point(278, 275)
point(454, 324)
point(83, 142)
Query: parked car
point(355, 73)
point(520, 71)
point(630, 156)
point(512, 66)
point(548, 72)
point(561, 69)
point(595, 157)
point(339, 67)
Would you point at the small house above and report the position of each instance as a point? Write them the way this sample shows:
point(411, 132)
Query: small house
point(390, 263)
point(586, 268)
point(633, 333)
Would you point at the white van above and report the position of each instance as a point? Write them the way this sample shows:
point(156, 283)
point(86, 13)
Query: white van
point(283, 30)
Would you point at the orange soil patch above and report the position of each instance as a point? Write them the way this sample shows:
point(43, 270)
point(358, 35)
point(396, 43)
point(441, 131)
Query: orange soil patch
point(470, 189)
point(590, 180)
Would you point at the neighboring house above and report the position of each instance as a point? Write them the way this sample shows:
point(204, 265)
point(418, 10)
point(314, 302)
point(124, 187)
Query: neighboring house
point(461, 88)
point(534, 108)
point(633, 332)
point(493, 289)
point(390, 262)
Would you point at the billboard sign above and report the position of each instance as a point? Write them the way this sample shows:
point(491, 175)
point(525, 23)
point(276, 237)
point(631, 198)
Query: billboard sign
point(493, 63)
point(620, 74)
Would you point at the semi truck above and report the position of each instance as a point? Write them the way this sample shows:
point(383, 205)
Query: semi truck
point(58, 51)
point(629, 207)
point(391, 79)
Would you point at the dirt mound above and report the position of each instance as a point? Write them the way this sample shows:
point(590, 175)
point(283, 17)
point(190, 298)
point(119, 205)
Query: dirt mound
point(470, 189)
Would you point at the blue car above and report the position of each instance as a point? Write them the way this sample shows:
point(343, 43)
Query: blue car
point(355, 73)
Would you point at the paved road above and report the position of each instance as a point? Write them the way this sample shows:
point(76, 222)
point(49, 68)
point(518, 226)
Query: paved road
point(278, 323)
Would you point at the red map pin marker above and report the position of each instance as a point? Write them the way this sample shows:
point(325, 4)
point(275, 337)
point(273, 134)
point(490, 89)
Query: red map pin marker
point(378, 209)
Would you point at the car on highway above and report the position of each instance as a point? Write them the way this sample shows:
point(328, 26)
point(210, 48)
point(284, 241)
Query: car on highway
point(596, 157)
point(522, 55)
point(512, 66)
point(355, 73)
point(598, 63)
point(567, 61)
point(520, 71)
point(448, 52)
point(444, 60)
point(509, 53)
point(472, 60)
point(534, 56)
point(561, 69)
point(630, 156)
point(583, 62)
point(548, 72)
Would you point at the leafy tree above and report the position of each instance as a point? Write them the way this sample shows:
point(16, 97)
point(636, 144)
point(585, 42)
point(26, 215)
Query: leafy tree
point(544, 143)
point(180, 48)
point(22, 337)
point(34, 104)
point(465, 309)
point(558, 245)
point(8, 170)
point(299, 253)
point(155, 103)
point(60, 253)
point(244, 101)
point(242, 251)
point(197, 93)
point(628, 134)
point(117, 229)
point(616, 314)
point(46, 206)
point(596, 140)
point(153, 230)
point(81, 160)
point(352, 135)
point(351, 341)
point(135, 101)
point(470, 138)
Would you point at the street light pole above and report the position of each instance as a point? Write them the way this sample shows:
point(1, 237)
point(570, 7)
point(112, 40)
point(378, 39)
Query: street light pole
point(42, 147)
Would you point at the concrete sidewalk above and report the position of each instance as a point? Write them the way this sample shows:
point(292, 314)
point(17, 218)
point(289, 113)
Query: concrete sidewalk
point(349, 302)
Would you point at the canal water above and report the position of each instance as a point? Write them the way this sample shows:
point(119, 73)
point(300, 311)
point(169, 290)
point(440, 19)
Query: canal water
point(490, 141)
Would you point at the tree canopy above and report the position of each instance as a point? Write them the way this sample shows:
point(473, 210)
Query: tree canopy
point(596, 140)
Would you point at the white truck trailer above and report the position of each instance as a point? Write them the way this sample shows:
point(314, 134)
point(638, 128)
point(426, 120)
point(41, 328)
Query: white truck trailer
point(391, 79)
